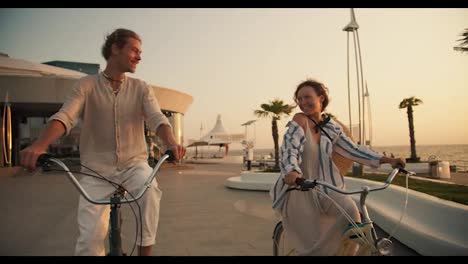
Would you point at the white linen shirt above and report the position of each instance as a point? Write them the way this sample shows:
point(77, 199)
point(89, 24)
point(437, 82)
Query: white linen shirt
point(291, 156)
point(112, 128)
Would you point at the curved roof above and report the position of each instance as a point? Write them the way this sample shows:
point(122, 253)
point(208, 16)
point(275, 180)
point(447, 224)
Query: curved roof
point(31, 82)
point(172, 100)
point(17, 67)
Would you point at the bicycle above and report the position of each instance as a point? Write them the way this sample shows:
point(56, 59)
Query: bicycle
point(362, 239)
point(116, 200)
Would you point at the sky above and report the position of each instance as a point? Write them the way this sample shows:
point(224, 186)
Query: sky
point(233, 60)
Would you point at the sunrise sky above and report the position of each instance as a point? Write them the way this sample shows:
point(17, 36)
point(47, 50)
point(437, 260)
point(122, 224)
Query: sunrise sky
point(233, 60)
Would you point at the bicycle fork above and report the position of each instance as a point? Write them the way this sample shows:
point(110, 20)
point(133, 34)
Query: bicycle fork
point(384, 246)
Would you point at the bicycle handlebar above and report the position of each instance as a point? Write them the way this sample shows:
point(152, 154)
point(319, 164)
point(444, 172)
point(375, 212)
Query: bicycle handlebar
point(307, 184)
point(44, 159)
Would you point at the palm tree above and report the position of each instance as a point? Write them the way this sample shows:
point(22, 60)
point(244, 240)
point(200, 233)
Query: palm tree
point(275, 109)
point(408, 103)
point(464, 42)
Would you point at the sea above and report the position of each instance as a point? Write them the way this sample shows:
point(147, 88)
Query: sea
point(456, 155)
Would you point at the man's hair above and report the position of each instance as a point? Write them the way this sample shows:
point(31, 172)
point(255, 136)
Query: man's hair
point(119, 37)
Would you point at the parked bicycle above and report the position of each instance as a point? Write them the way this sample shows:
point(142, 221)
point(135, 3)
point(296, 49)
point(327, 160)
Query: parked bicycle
point(360, 240)
point(118, 198)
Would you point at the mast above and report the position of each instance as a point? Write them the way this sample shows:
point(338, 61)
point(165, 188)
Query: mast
point(353, 27)
point(369, 115)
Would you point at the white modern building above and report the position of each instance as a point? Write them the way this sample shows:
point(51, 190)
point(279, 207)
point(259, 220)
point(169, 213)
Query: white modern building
point(36, 91)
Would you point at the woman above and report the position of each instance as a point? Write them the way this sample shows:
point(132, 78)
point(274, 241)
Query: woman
point(312, 224)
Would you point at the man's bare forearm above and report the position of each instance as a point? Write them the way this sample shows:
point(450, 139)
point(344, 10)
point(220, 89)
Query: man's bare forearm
point(53, 131)
point(164, 132)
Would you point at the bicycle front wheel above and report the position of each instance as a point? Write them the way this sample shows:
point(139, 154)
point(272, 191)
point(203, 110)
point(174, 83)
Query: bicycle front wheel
point(281, 246)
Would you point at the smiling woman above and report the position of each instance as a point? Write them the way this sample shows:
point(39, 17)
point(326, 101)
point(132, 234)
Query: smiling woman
point(307, 153)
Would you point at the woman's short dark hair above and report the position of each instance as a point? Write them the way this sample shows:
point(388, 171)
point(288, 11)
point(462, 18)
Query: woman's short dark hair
point(319, 88)
point(119, 37)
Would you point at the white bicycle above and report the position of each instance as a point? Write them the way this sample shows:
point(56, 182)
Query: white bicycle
point(360, 240)
point(118, 198)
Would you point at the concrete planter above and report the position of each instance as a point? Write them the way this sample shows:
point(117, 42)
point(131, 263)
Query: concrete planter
point(253, 180)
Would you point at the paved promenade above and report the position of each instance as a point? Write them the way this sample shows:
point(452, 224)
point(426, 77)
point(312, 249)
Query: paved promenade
point(199, 215)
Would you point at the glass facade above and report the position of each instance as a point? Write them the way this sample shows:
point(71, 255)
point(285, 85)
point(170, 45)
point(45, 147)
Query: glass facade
point(30, 128)
point(177, 123)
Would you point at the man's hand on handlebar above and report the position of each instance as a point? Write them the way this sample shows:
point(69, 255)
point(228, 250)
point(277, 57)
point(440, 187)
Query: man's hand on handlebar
point(29, 155)
point(178, 151)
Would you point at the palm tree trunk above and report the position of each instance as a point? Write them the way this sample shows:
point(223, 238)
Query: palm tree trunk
point(274, 129)
point(414, 157)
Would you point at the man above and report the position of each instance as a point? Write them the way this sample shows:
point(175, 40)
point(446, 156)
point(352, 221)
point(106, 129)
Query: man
point(113, 108)
point(250, 157)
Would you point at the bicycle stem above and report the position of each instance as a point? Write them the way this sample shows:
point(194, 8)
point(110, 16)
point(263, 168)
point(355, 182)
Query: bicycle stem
point(365, 214)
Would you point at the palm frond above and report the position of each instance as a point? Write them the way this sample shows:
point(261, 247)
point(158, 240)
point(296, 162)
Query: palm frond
point(275, 109)
point(463, 46)
point(413, 101)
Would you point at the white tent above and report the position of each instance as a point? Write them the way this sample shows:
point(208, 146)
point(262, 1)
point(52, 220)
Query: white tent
point(220, 136)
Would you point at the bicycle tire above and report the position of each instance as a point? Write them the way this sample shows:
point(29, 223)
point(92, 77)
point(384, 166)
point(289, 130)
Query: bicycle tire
point(280, 244)
point(277, 233)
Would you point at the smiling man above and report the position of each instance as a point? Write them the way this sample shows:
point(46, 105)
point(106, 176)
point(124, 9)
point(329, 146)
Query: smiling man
point(113, 109)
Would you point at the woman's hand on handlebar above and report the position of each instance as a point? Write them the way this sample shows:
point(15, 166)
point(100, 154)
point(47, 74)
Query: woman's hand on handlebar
point(398, 163)
point(394, 162)
point(290, 178)
point(29, 155)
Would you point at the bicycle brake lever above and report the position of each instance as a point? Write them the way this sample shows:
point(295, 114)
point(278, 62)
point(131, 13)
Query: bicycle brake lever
point(301, 185)
point(314, 183)
point(308, 186)
point(400, 169)
point(171, 155)
point(43, 162)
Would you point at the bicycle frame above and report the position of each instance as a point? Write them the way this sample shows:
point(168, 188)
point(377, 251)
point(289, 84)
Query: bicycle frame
point(115, 240)
point(116, 200)
point(380, 246)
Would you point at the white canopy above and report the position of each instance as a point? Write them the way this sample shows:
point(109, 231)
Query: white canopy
point(219, 135)
point(18, 67)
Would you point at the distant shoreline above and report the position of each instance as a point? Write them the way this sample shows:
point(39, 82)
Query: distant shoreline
point(379, 146)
